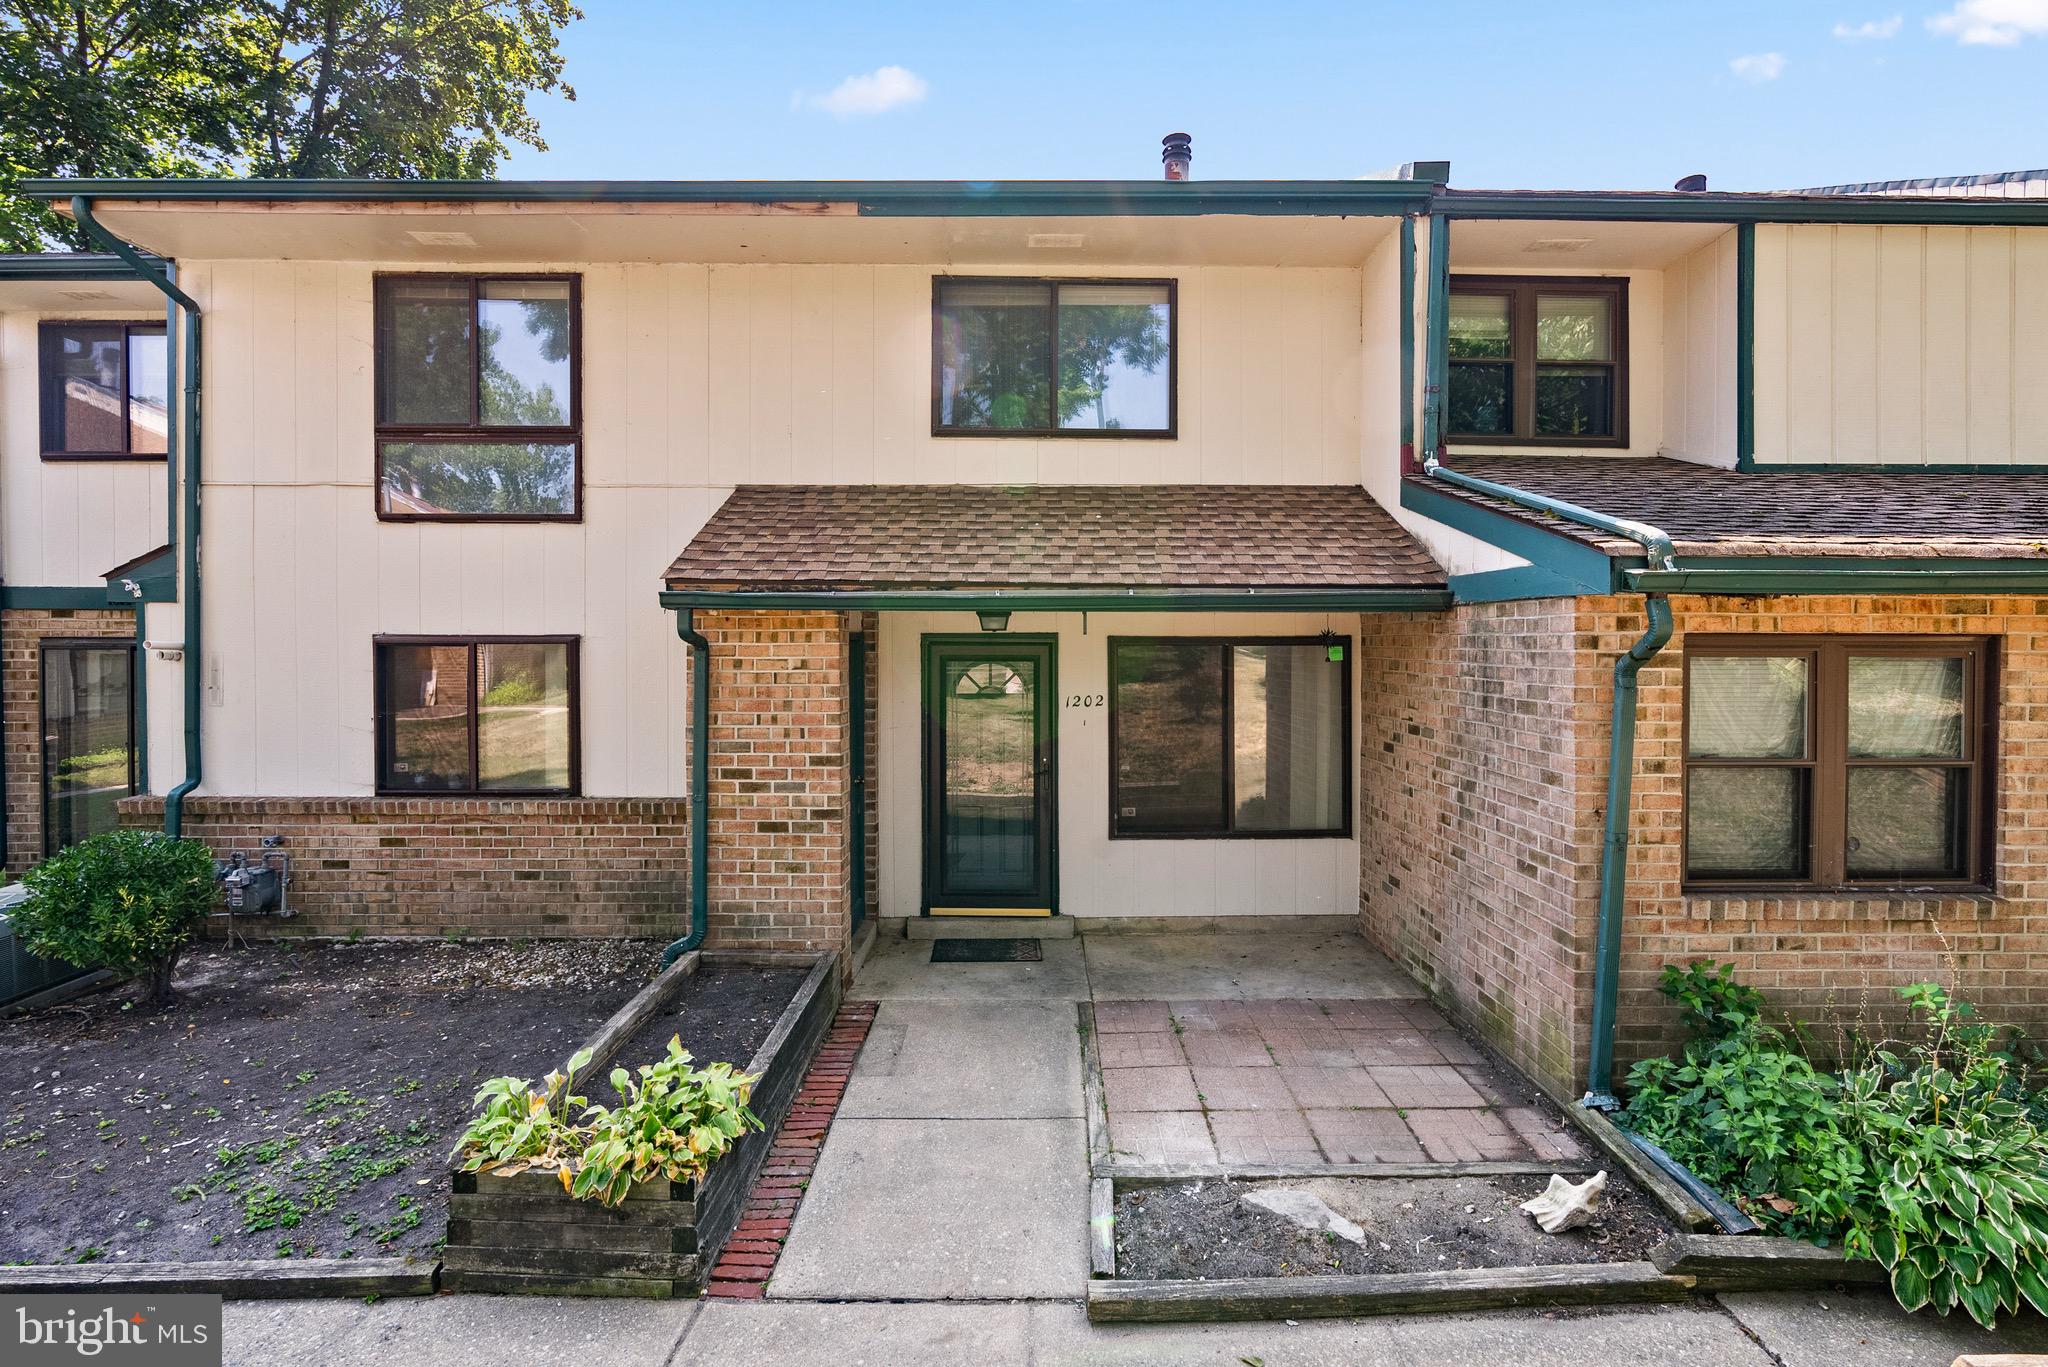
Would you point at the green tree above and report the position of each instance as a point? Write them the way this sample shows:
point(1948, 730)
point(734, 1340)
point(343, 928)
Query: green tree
point(388, 88)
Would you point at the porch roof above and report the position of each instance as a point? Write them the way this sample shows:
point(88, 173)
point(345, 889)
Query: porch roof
point(1846, 512)
point(1114, 539)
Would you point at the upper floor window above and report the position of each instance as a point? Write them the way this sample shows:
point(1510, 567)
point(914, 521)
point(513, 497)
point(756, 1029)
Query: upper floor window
point(1051, 358)
point(1540, 360)
point(1833, 761)
point(105, 391)
point(477, 407)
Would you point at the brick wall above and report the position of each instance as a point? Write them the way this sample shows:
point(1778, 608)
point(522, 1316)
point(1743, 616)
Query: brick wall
point(1831, 959)
point(781, 869)
point(22, 632)
point(515, 868)
point(1483, 739)
point(1478, 821)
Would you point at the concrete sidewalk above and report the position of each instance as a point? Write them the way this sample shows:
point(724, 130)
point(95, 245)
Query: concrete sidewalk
point(1755, 1330)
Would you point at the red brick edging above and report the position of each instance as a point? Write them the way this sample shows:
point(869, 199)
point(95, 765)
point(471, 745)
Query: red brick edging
point(748, 1260)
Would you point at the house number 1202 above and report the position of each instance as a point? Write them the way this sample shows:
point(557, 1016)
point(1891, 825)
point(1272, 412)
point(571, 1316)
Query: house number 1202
point(1085, 700)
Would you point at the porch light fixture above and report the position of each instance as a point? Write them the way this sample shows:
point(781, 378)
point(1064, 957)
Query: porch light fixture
point(994, 621)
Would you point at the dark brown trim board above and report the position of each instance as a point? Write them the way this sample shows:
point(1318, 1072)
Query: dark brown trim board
point(474, 431)
point(1052, 285)
point(1521, 293)
point(385, 714)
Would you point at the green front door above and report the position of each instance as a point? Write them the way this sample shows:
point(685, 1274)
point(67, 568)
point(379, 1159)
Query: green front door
point(989, 776)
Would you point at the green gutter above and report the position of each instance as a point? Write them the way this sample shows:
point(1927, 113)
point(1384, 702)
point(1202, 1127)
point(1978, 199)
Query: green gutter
point(1675, 206)
point(879, 198)
point(81, 210)
point(1436, 372)
point(1621, 764)
point(1416, 598)
point(1745, 346)
point(1776, 577)
point(1407, 343)
point(700, 788)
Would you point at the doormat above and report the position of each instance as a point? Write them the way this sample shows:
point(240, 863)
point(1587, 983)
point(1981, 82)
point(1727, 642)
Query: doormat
point(987, 952)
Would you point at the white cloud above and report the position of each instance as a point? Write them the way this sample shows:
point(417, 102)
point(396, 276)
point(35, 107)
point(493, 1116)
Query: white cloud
point(1870, 29)
point(876, 92)
point(1993, 23)
point(1758, 67)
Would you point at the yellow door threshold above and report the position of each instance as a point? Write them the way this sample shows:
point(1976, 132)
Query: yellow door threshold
point(991, 911)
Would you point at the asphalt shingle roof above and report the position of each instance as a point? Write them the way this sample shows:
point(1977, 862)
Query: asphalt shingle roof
point(1710, 511)
point(808, 536)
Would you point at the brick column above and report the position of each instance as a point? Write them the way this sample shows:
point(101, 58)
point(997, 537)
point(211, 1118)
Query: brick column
point(780, 872)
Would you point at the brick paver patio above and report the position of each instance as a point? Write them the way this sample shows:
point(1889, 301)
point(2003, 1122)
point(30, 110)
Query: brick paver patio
point(1310, 1082)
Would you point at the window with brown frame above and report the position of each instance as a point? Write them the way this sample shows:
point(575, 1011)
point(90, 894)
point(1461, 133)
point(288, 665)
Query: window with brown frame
point(1245, 736)
point(477, 715)
point(1840, 761)
point(1538, 360)
point(105, 390)
point(1019, 357)
point(478, 410)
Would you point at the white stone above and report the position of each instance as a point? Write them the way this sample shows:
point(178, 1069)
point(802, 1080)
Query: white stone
point(1563, 1206)
point(1305, 1209)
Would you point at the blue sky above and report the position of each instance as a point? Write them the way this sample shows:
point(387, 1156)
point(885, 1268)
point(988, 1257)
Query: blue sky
point(1542, 94)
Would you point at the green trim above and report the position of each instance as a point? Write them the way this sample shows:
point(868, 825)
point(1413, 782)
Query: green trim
point(1673, 206)
point(67, 266)
point(67, 596)
point(1521, 581)
point(1745, 346)
point(877, 198)
point(1545, 548)
point(1768, 576)
point(140, 711)
point(1874, 468)
point(1621, 768)
point(155, 580)
point(155, 274)
point(700, 789)
point(1364, 599)
point(1656, 545)
point(1407, 337)
point(1436, 328)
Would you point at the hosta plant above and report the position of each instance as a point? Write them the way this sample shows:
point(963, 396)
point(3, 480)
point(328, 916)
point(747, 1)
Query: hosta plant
point(674, 1120)
point(1957, 1205)
point(518, 1128)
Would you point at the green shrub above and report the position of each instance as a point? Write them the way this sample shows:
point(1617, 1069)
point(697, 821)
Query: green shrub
point(1929, 1160)
point(1745, 1110)
point(673, 1121)
point(129, 901)
point(517, 690)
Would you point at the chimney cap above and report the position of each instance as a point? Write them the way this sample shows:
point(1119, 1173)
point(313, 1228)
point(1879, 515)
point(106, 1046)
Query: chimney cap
point(1692, 184)
point(1176, 150)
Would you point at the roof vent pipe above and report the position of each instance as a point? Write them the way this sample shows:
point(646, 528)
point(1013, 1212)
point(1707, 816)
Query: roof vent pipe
point(1177, 150)
point(1692, 184)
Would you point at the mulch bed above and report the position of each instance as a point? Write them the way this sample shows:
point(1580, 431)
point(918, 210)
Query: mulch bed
point(723, 1014)
point(295, 1101)
point(1204, 1230)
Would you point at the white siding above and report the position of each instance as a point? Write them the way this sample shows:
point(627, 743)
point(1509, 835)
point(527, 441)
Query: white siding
point(1699, 354)
point(1099, 876)
point(65, 523)
point(694, 378)
point(1902, 345)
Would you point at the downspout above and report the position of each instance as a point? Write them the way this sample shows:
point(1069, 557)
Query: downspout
point(81, 211)
point(1621, 761)
point(700, 786)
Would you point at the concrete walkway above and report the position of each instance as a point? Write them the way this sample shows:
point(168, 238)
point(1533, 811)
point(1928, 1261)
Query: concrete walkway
point(946, 1219)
